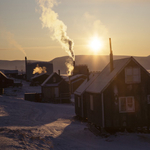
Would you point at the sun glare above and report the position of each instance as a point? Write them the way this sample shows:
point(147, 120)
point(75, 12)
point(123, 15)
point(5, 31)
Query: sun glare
point(95, 44)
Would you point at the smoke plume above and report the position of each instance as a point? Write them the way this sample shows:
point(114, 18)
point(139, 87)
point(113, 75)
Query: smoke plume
point(39, 69)
point(12, 41)
point(50, 20)
point(69, 64)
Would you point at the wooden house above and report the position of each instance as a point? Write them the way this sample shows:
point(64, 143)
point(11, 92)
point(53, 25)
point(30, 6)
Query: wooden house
point(55, 89)
point(119, 96)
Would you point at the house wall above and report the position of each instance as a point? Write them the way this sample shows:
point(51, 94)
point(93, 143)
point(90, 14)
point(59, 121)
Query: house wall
point(94, 116)
point(48, 94)
point(78, 110)
point(115, 119)
point(82, 110)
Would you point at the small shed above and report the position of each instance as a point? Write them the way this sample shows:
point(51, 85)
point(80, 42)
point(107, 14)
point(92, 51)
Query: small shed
point(119, 96)
point(55, 89)
point(34, 97)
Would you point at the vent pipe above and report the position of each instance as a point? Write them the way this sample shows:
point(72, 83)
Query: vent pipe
point(111, 56)
point(58, 72)
point(26, 68)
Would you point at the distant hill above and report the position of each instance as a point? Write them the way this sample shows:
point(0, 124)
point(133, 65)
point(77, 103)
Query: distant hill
point(13, 65)
point(94, 62)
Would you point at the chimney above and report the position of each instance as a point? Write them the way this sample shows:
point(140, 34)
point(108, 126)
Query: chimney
point(111, 57)
point(26, 68)
point(58, 72)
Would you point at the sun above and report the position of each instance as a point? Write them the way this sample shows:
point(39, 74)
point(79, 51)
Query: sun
point(95, 44)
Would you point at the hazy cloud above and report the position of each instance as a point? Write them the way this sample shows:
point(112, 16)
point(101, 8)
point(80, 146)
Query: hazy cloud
point(94, 25)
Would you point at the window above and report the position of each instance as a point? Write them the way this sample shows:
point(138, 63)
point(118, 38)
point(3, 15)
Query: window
point(91, 102)
point(78, 101)
point(132, 75)
point(148, 99)
point(126, 104)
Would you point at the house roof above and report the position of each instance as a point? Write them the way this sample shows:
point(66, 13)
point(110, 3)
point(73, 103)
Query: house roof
point(45, 82)
point(105, 77)
point(3, 74)
point(47, 79)
point(38, 75)
point(52, 84)
point(74, 77)
point(86, 84)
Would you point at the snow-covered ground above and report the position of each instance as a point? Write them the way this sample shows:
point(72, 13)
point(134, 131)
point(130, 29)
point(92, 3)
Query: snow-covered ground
point(30, 125)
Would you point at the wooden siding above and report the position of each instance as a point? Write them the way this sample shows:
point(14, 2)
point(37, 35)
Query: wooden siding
point(94, 116)
point(82, 110)
point(115, 119)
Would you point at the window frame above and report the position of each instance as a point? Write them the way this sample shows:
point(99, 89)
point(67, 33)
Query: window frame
point(127, 110)
point(132, 75)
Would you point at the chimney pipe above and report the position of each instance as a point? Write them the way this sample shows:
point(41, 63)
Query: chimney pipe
point(26, 68)
point(111, 56)
point(58, 72)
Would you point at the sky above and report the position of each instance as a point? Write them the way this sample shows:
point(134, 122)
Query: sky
point(24, 31)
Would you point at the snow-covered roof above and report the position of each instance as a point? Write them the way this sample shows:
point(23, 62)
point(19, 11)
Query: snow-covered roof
point(52, 84)
point(47, 79)
point(3, 74)
point(148, 71)
point(38, 75)
point(105, 77)
point(86, 83)
point(74, 77)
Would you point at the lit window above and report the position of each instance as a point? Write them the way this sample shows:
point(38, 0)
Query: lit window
point(126, 104)
point(78, 101)
point(132, 75)
point(91, 102)
point(148, 99)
